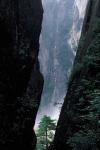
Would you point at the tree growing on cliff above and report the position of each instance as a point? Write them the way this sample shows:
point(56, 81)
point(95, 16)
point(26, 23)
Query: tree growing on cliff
point(45, 132)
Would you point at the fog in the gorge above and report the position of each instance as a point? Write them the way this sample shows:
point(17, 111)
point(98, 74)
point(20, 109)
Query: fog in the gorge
point(61, 29)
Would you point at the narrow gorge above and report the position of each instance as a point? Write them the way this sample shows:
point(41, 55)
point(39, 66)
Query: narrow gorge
point(50, 74)
point(61, 29)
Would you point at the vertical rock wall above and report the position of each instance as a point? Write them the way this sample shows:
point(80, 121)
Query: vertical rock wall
point(21, 82)
point(78, 126)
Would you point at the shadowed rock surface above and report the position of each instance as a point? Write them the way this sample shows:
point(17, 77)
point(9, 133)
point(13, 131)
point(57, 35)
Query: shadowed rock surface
point(79, 123)
point(21, 82)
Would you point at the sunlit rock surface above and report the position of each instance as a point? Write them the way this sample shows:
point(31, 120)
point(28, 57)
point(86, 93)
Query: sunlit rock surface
point(57, 51)
point(56, 56)
point(79, 12)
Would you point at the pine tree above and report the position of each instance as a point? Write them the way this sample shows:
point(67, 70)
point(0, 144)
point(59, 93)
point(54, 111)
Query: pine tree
point(45, 132)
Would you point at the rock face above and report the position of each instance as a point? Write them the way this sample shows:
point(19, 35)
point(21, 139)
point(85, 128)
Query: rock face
point(79, 123)
point(21, 82)
point(57, 23)
point(78, 17)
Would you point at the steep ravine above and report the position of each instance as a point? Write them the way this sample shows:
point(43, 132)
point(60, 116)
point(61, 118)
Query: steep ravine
point(61, 28)
point(54, 46)
point(21, 82)
point(78, 127)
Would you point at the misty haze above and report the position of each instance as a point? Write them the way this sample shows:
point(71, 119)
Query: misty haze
point(61, 29)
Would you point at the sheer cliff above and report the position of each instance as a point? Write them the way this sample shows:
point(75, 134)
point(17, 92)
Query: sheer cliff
point(21, 82)
point(54, 47)
point(61, 28)
point(79, 123)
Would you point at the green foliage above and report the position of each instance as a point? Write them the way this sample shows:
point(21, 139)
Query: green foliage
point(81, 141)
point(91, 60)
point(82, 39)
point(96, 28)
point(46, 123)
point(89, 134)
point(76, 71)
point(88, 106)
point(45, 132)
point(85, 82)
